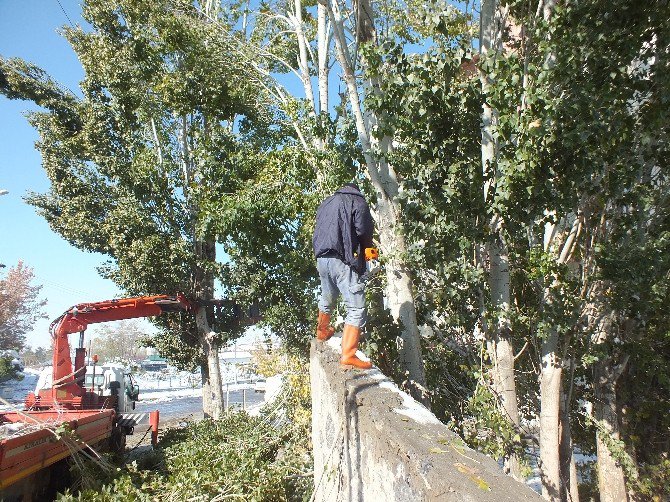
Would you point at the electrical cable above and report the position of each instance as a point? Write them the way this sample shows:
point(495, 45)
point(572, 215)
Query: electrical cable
point(68, 17)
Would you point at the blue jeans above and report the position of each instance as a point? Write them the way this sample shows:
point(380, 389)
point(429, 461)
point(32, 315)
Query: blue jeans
point(339, 278)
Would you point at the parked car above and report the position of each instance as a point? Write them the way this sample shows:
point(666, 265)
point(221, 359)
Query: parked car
point(259, 386)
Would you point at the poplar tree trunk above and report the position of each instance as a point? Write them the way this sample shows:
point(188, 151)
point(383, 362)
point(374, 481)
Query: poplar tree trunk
point(550, 408)
point(501, 342)
point(499, 333)
point(570, 492)
point(206, 388)
point(205, 252)
point(316, 141)
point(400, 298)
point(399, 291)
point(555, 446)
point(611, 478)
point(303, 64)
point(212, 389)
point(551, 369)
point(202, 287)
point(323, 43)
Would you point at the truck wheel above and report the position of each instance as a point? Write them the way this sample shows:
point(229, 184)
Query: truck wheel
point(59, 478)
point(117, 441)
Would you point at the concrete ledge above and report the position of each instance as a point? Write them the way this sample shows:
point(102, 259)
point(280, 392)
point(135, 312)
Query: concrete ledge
point(373, 442)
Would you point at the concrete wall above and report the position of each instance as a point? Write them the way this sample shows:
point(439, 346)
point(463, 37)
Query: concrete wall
point(373, 442)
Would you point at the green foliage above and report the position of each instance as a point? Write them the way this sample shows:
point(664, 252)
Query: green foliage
point(432, 108)
point(237, 456)
point(451, 376)
point(381, 332)
point(654, 480)
point(578, 102)
point(417, 21)
point(581, 127)
point(293, 406)
point(263, 458)
point(8, 371)
point(274, 212)
point(432, 111)
point(588, 475)
point(487, 428)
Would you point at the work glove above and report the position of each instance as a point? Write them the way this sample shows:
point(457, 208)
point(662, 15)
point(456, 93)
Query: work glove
point(372, 265)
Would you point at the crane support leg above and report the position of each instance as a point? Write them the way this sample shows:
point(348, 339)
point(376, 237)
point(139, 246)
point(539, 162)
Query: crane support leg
point(153, 420)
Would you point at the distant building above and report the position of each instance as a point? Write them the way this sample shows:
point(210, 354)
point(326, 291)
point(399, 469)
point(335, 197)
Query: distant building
point(154, 362)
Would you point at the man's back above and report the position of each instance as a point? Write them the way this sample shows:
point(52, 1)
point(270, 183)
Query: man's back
point(344, 227)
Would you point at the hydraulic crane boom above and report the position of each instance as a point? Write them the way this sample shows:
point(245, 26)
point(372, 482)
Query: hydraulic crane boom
point(67, 389)
point(96, 416)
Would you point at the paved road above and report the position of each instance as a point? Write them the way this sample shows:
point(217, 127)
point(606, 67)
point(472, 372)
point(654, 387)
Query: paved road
point(185, 406)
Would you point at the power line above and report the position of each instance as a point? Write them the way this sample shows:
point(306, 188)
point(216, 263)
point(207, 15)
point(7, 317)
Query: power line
point(68, 17)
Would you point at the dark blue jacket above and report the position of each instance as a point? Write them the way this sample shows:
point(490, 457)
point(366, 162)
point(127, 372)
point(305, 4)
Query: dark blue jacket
point(344, 227)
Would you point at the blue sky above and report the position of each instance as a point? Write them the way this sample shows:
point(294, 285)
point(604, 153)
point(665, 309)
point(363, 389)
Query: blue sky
point(28, 29)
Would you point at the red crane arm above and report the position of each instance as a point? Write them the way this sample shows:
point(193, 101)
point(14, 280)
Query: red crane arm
point(77, 319)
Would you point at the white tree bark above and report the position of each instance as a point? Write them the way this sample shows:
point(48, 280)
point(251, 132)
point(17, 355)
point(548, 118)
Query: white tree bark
point(560, 244)
point(323, 40)
point(503, 350)
point(559, 241)
point(550, 408)
point(303, 65)
point(206, 388)
point(399, 291)
point(157, 143)
point(498, 333)
point(556, 456)
point(203, 286)
point(550, 398)
point(213, 392)
point(317, 142)
point(611, 479)
point(400, 297)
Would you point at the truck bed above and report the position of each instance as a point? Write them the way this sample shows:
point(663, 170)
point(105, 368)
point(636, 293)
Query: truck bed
point(29, 444)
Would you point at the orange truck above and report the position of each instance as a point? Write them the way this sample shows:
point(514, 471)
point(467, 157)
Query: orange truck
point(75, 411)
